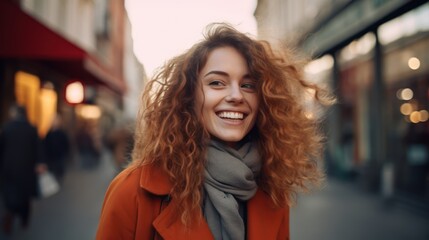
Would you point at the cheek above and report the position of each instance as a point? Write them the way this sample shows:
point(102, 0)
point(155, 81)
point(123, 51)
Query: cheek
point(255, 110)
point(254, 104)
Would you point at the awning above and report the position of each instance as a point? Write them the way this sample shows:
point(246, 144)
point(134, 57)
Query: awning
point(24, 37)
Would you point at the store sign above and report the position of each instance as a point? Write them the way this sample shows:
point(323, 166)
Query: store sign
point(357, 17)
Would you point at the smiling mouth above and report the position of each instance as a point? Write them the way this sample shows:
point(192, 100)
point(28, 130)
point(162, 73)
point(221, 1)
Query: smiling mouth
point(231, 115)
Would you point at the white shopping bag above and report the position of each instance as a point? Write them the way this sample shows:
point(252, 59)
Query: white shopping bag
point(48, 184)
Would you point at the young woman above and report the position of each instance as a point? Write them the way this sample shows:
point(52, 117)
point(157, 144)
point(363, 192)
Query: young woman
point(222, 145)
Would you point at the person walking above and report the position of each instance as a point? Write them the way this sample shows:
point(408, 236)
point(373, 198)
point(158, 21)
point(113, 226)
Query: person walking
point(21, 157)
point(57, 148)
point(88, 148)
point(120, 141)
point(222, 145)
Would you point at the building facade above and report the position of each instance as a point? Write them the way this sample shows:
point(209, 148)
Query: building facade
point(373, 53)
point(46, 45)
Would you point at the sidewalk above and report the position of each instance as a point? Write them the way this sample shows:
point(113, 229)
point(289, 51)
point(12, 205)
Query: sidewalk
point(73, 213)
point(340, 211)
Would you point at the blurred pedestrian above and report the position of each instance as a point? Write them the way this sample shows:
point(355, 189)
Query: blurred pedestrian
point(57, 148)
point(21, 158)
point(222, 146)
point(120, 142)
point(89, 151)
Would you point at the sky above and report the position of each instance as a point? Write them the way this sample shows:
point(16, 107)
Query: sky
point(162, 29)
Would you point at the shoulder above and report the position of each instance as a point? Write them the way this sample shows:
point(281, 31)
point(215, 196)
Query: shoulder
point(123, 195)
point(120, 207)
point(126, 183)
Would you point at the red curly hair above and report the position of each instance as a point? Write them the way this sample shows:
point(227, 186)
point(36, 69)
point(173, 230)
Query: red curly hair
point(170, 133)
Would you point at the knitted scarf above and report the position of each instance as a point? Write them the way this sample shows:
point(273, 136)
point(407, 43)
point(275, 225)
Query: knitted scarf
point(229, 175)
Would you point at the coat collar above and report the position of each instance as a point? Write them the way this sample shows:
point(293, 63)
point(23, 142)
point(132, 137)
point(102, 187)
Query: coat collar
point(155, 180)
point(263, 217)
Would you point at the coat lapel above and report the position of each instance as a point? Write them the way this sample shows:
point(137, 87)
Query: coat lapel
point(264, 219)
point(155, 180)
point(170, 230)
point(168, 226)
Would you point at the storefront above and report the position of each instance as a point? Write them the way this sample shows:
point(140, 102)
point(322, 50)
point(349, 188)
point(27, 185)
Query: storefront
point(406, 77)
point(37, 65)
point(379, 131)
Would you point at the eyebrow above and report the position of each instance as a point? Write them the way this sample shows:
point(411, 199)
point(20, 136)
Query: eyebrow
point(224, 74)
point(217, 73)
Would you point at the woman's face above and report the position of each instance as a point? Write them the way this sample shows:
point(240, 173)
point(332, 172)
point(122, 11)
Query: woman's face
point(229, 100)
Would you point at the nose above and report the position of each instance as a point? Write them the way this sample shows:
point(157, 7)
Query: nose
point(234, 94)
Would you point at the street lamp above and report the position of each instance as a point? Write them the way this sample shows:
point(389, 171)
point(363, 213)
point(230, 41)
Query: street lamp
point(74, 92)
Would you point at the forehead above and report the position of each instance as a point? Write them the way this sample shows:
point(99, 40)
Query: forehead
point(225, 58)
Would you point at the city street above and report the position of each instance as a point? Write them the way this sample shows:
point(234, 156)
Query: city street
point(340, 211)
point(73, 213)
point(78, 77)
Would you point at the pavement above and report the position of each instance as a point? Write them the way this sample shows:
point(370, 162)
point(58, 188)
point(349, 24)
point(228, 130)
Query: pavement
point(71, 214)
point(343, 211)
point(339, 211)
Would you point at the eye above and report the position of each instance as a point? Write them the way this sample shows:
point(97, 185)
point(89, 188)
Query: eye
point(216, 83)
point(249, 86)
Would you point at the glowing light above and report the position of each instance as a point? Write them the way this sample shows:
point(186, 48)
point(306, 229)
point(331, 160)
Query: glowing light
point(415, 117)
point(424, 115)
point(405, 94)
point(88, 111)
point(27, 94)
point(406, 25)
point(358, 47)
point(414, 63)
point(406, 108)
point(398, 94)
point(365, 43)
point(47, 110)
point(74, 92)
point(319, 65)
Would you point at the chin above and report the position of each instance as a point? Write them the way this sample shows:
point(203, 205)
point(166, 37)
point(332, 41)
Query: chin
point(230, 139)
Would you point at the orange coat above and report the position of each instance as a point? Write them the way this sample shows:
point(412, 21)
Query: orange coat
point(135, 208)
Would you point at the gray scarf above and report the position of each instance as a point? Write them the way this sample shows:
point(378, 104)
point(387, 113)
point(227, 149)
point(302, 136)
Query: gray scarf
point(229, 175)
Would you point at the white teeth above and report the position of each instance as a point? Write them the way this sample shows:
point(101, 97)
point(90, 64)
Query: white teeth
point(231, 115)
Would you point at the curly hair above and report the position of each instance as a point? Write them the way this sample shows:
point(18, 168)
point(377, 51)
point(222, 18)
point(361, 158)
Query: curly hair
point(170, 133)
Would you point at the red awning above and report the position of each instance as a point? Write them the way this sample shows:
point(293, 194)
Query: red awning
point(24, 37)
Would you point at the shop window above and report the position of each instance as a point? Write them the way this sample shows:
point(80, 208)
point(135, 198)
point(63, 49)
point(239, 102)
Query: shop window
point(26, 92)
point(405, 42)
point(409, 133)
point(356, 75)
point(357, 48)
point(408, 24)
point(319, 72)
point(39, 101)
